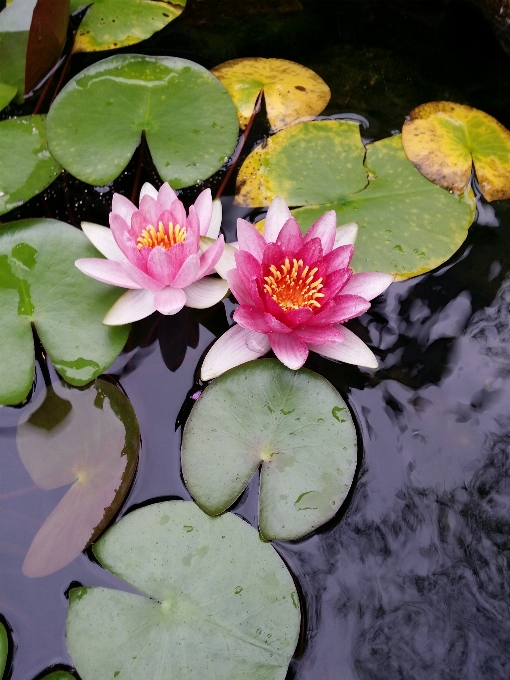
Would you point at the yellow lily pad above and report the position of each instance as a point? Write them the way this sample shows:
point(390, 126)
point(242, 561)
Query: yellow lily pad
point(444, 139)
point(110, 24)
point(307, 163)
point(291, 91)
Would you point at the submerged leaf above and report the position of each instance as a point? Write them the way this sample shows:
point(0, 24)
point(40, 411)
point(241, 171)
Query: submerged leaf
point(217, 603)
point(291, 91)
point(293, 425)
point(40, 285)
point(27, 166)
point(110, 24)
point(96, 122)
point(4, 649)
point(443, 140)
point(94, 447)
point(307, 163)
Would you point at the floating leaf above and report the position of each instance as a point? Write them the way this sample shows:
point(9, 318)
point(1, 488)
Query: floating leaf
point(27, 166)
point(7, 93)
point(40, 285)
point(291, 91)
point(444, 139)
point(94, 448)
point(220, 603)
point(110, 24)
point(4, 649)
point(189, 120)
point(15, 22)
point(307, 163)
point(292, 424)
point(46, 39)
point(407, 225)
point(59, 675)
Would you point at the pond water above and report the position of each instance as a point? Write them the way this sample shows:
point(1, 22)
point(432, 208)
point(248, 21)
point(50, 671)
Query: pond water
point(411, 579)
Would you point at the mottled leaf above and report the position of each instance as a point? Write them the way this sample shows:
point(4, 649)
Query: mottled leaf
point(444, 139)
point(293, 425)
point(217, 603)
point(292, 92)
point(189, 120)
point(94, 447)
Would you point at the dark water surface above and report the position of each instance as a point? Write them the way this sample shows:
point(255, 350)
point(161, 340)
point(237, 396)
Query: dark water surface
point(411, 580)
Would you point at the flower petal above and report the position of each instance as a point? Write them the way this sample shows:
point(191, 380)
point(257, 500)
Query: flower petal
point(203, 207)
point(227, 261)
point(238, 288)
point(123, 238)
point(278, 213)
point(250, 317)
point(106, 271)
point(250, 239)
point(166, 196)
point(132, 306)
point(346, 234)
point(163, 265)
point(368, 284)
point(235, 347)
point(148, 189)
point(335, 282)
point(289, 350)
point(188, 273)
point(324, 229)
point(150, 209)
point(102, 239)
point(215, 223)
point(211, 257)
point(276, 326)
point(330, 335)
point(343, 308)
point(123, 207)
point(141, 278)
point(169, 300)
point(290, 237)
point(339, 258)
point(206, 292)
point(351, 351)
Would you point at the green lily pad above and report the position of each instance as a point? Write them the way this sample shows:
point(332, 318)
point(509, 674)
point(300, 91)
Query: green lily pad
point(217, 603)
point(4, 649)
point(15, 22)
point(313, 162)
point(40, 285)
point(59, 675)
point(88, 438)
point(110, 24)
point(189, 120)
point(7, 93)
point(293, 425)
point(407, 225)
point(27, 166)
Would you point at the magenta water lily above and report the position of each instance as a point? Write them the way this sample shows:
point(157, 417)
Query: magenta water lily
point(154, 251)
point(295, 293)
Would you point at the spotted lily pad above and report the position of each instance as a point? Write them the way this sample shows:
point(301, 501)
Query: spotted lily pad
point(291, 91)
point(189, 120)
point(407, 225)
point(40, 286)
point(89, 439)
point(110, 24)
point(4, 649)
point(444, 140)
point(217, 603)
point(27, 166)
point(293, 425)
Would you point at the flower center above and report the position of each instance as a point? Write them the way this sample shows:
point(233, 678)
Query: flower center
point(166, 238)
point(294, 286)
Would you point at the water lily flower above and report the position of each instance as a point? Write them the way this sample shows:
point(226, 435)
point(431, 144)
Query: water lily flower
point(294, 294)
point(159, 253)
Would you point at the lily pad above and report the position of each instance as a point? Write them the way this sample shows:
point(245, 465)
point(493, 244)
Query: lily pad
point(27, 166)
point(189, 120)
point(217, 603)
point(40, 286)
point(7, 93)
point(4, 649)
point(311, 162)
point(15, 22)
point(291, 91)
point(293, 425)
point(59, 675)
point(110, 24)
point(94, 447)
point(444, 139)
point(407, 225)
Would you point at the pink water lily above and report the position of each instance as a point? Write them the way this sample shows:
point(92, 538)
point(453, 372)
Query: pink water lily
point(294, 294)
point(159, 253)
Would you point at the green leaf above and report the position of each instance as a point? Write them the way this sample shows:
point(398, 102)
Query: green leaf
point(407, 225)
point(219, 603)
point(40, 285)
point(189, 120)
point(15, 22)
point(4, 649)
point(90, 439)
point(307, 163)
point(27, 166)
point(59, 675)
point(7, 93)
point(292, 424)
point(110, 24)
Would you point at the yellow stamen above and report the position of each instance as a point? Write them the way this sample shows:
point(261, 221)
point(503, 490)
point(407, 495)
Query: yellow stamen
point(293, 286)
point(166, 238)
